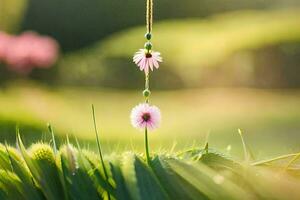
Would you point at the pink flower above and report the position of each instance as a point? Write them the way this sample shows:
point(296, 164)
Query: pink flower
point(147, 59)
point(44, 52)
point(145, 116)
point(29, 50)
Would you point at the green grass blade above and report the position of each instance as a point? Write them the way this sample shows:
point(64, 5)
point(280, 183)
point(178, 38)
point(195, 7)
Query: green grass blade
point(99, 149)
point(212, 184)
point(121, 191)
point(77, 179)
point(175, 186)
point(11, 186)
point(43, 169)
point(19, 168)
point(53, 138)
point(148, 184)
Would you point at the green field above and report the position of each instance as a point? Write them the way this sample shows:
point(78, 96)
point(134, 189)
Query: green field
point(268, 118)
point(189, 47)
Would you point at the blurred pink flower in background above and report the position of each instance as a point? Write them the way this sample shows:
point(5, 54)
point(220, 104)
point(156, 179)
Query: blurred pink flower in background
point(27, 51)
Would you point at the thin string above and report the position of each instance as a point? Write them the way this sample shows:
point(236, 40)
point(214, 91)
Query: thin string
point(149, 22)
point(147, 86)
point(149, 15)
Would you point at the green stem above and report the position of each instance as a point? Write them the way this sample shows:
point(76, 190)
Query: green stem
point(53, 138)
point(246, 154)
point(274, 159)
point(293, 160)
point(147, 146)
point(99, 150)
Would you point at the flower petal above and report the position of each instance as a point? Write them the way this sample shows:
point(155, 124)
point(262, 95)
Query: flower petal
point(150, 61)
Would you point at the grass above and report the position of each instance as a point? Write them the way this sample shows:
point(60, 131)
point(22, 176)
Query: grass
point(43, 172)
point(268, 118)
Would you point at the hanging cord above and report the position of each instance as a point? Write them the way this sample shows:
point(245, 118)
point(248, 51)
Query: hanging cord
point(148, 45)
point(146, 92)
point(149, 15)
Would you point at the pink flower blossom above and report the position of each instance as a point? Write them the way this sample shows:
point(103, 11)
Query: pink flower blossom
point(145, 116)
point(29, 50)
point(147, 59)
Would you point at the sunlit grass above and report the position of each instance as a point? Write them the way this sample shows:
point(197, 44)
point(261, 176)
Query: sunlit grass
point(44, 171)
point(268, 117)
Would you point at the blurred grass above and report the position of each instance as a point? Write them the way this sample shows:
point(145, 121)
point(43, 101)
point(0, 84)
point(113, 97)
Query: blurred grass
point(269, 118)
point(78, 23)
point(188, 45)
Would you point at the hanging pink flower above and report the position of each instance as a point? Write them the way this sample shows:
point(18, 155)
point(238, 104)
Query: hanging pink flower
point(145, 59)
point(145, 116)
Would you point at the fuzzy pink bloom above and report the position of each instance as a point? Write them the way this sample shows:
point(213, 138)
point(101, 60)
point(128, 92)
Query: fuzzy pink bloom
point(145, 60)
point(44, 51)
point(29, 50)
point(145, 116)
